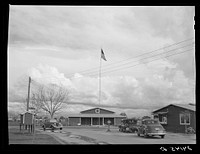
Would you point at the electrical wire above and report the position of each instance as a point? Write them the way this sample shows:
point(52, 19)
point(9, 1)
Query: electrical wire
point(125, 60)
point(94, 73)
point(163, 53)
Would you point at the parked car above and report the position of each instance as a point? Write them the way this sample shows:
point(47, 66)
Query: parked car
point(151, 127)
point(52, 125)
point(128, 125)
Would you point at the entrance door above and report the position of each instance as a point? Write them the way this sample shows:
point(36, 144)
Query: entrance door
point(97, 121)
point(85, 121)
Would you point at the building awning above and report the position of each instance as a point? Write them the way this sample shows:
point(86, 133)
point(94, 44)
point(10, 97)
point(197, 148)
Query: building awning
point(96, 116)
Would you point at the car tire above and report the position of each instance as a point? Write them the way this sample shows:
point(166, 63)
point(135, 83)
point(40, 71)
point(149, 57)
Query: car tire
point(138, 134)
point(145, 134)
point(162, 136)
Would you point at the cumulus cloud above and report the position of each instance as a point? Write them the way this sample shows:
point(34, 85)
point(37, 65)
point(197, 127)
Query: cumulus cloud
point(46, 74)
point(127, 91)
point(120, 91)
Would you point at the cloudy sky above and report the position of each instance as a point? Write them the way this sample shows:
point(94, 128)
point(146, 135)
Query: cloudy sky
point(149, 51)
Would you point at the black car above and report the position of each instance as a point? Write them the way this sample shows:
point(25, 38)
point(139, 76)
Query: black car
point(52, 125)
point(151, 127)
point(128, 125)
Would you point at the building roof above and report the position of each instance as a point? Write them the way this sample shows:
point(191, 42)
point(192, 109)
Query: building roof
point(30, 112)
point(100, 110)
point(185, 106)
point(96, 115)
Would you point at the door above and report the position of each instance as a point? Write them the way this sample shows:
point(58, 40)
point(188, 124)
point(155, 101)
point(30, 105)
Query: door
point(85, 121)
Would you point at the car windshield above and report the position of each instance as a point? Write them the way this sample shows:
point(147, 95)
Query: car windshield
point(129, 121)
point(151, 122)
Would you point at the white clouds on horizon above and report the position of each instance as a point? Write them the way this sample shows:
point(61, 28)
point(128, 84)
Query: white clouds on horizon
point(122, 91)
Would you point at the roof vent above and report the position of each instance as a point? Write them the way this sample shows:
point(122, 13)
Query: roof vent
point(192, 104)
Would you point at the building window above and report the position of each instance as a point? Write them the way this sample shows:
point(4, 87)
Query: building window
point(184, 119)
point(97, 110)
point(163, 119)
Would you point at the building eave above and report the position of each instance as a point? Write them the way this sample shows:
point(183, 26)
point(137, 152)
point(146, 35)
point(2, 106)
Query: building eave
point(96, 116)
point(177, 105)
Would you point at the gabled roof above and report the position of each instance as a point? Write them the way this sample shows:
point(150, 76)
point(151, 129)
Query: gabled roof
point(96, 115)
point(185, 106)
point(93, 110)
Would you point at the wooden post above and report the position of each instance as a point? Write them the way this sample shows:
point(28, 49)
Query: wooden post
point(28, 93)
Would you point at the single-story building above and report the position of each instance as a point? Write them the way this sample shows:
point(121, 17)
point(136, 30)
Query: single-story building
point(95, 116)
point(177, 117)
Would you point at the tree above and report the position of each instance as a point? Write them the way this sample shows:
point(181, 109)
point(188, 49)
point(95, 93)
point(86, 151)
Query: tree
point(49, 98)
point(33, 105)
point(123, 114)
point(146, 117)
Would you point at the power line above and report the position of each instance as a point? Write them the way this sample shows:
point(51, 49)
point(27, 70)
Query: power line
point(136, 64)
point(147, 57)
point(136, 56)
point(93, 73)
point(149, 61)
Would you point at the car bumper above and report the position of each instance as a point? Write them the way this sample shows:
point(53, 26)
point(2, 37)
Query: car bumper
point(152, 134)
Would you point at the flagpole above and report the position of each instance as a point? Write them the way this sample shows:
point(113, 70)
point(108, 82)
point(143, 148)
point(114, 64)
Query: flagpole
point(100, 82)
point(100, 85)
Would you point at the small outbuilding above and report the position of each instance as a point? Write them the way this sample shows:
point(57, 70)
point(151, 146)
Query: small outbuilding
point(177, 117)
point(27, 119)
point(95, 116)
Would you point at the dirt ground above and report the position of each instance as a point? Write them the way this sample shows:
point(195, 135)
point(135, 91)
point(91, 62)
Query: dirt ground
point(16, 136)
point(95, 135)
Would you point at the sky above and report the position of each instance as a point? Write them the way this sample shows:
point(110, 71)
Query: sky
point(149, 51)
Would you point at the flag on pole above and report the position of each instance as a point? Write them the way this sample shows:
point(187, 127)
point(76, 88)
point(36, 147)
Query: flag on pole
point(102, 55)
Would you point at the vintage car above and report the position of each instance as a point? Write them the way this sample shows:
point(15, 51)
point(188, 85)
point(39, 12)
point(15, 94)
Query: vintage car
point(128, 125)
point(151, 127)
point(52, 125)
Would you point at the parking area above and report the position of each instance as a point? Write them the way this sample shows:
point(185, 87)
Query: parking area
point(100, 135)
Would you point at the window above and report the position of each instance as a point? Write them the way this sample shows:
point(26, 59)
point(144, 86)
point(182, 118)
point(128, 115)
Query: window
point(97, 110)
point(163, 119)
point(184, 119)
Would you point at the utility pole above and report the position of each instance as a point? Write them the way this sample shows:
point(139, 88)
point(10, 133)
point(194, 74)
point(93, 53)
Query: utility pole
point(29, 82)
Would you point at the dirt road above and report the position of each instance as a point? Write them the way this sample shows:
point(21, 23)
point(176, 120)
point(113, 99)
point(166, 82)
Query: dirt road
point(77, 135)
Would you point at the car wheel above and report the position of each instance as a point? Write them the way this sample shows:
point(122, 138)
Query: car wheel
point(145, 134)
point(52, 129)
point(162, 136)
point(138, 134)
